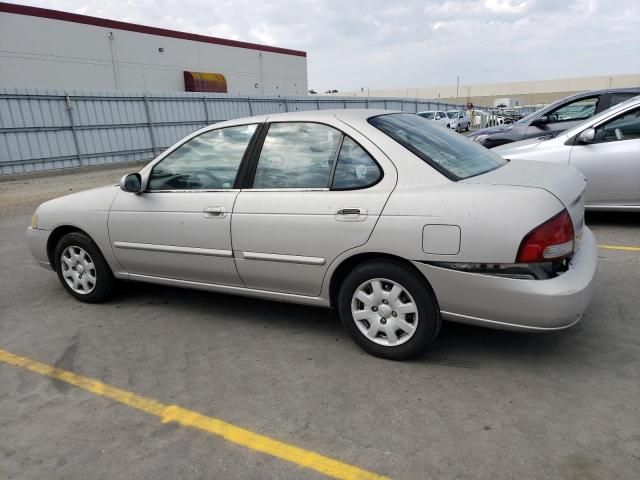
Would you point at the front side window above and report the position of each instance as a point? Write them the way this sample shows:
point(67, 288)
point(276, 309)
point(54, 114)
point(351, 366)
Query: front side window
point(355, 168)
point(451, 154)
point(209, 161)
point(623, 127)
point(578, 110)
point(297, 155)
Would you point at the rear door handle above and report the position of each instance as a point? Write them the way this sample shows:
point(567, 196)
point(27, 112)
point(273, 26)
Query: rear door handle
point(351, 214)
point(349, 211)
point(214, 212)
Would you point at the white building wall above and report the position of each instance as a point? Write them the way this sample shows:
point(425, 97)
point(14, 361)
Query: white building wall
point(507, 88)
point(43, 52)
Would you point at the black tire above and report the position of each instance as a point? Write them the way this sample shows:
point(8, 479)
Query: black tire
point(104, 281)
point(428, 324)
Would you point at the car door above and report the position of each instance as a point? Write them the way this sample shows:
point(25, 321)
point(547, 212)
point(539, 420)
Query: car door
point(180, 226)
point(564, 117)
point(315, 194)
point(612, 162)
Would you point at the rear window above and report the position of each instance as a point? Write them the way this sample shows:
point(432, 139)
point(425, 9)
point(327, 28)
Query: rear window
point(450, 153)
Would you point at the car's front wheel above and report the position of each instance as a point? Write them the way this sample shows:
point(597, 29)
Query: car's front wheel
point(388, 310)
point(82, 269)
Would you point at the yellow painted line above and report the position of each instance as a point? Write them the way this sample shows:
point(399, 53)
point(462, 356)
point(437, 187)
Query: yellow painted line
point(620, 247)
point(189, 418)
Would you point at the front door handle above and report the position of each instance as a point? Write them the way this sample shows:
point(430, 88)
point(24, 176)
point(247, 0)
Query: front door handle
point(214, 212)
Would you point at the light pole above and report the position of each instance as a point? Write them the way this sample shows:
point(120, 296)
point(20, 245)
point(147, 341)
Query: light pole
point(457, 89)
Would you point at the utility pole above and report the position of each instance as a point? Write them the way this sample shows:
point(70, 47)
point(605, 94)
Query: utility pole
point(457, 89)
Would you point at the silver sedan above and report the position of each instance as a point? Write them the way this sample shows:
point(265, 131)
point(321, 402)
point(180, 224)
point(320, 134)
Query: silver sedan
point(395, 222)
point(606, 148)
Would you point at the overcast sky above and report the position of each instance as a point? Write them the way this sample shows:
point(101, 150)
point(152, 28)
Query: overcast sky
point(398, 44)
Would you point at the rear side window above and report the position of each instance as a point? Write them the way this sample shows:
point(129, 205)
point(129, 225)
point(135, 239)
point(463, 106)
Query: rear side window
point(450, 153)
point(355, 168)
point(616, 98)
point(297, 155)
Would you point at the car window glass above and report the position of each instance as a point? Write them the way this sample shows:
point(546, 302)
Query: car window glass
point(209, 161)
point(577, 110)
point(452, 114)
point(355, 168)
point(427, 115)
point(448, 152)
point(297, 155)
point(623, 127)
point(616, 98)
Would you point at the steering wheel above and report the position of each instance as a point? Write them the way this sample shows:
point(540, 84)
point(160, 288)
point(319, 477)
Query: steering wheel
point(194, 181)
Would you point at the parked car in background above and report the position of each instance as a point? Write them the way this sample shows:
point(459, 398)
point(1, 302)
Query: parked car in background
point(605, 148)
point(395, 222)
point(458, 120)
point(555, 118)
point(438, 116)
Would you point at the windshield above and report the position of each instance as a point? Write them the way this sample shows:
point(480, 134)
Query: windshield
point(450, 153)
point(427, 115)
point(452, 114)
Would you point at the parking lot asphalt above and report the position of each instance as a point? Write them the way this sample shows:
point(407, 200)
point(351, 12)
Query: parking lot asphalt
point(482, 404)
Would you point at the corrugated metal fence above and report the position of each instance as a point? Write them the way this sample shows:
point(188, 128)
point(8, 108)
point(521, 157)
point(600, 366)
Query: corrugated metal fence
point(53, 129)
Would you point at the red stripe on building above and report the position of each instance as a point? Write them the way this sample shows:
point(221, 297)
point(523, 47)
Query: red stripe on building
point(134, 27)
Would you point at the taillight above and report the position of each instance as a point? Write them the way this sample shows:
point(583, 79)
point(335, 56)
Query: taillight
point(550, 241)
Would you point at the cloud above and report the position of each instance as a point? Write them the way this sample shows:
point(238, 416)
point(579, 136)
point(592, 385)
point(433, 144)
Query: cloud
point(411, 43)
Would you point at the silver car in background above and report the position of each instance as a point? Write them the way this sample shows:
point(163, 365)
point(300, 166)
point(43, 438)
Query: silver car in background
point(458, 120)
point(438, 116)
point(605, 148)
point(393, 221)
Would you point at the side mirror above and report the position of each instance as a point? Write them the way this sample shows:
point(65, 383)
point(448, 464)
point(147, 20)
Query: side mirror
point(587, 136)
point(540, 121)
point(131, 183)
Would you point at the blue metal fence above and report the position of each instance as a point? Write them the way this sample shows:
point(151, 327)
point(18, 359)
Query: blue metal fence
point(53, 129)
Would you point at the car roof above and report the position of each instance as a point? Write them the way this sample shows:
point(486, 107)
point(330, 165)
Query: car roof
point(310, 115)
point(590, 93)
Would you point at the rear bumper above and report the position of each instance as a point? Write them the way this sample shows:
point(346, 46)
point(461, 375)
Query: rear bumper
point(514, 304)
point(37, 241)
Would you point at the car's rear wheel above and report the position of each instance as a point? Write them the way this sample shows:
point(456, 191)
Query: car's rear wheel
point(82, 269)
point(388, 310)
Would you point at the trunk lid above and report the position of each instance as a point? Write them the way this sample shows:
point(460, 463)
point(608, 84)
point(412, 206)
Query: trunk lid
point(564, 182)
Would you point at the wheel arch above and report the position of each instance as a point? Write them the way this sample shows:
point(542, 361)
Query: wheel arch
point(55, 237)
point(348, 264)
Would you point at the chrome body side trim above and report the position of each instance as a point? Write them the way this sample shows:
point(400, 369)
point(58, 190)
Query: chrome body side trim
point(276, 257)
point(148, 247)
